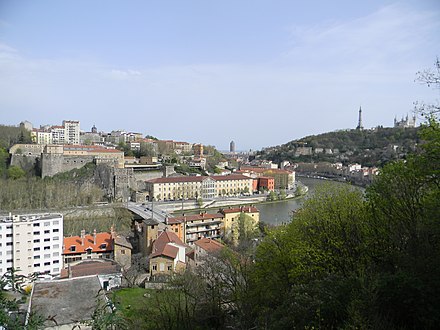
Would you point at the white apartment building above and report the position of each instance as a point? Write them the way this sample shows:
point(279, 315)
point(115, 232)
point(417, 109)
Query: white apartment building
point(68, 133)
point(58, 134)
point(71, 131)
point(31, 243)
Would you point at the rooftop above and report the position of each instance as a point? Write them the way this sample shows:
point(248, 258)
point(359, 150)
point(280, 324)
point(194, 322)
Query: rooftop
point(209, 245)
point(193, 217)
point(65, 301)
point(103, 243)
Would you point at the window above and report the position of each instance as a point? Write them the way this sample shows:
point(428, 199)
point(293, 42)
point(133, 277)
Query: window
point(8, 235)
point(122, 251)
point(154, 267)
point(47, 247)
point(36, 241)
point(47, 263)
point(103, 246)
point(56, 261)
point(36, 224)
point(8, 243)
point(56, 230)
point(56, 254)
point(89, 251)
point(56, 238)
point(169, 267)
point(36, 265)
point(47, 231)
point(46, 224)
point(47, 239)
point(36, 233)
point(46, 256)
point(56, 222)
point(36, 257)
point(73, 248)
point(37, 249)
point(56, 246)
point(56, 270)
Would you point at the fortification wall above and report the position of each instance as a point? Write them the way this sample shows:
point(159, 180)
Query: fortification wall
point(29, 163)
point(52, 164)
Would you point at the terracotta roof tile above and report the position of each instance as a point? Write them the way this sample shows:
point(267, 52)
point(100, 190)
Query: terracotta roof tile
point(101, 238)
point(209, 245)
point(161, 244)
point(193, 217)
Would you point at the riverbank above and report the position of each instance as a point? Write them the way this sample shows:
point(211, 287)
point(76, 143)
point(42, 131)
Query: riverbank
point(236, 202)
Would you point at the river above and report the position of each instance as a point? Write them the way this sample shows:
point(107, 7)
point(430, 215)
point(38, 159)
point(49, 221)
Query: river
point(279, 212)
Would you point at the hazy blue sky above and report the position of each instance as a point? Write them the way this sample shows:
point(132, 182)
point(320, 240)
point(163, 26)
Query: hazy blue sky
point(259, 72)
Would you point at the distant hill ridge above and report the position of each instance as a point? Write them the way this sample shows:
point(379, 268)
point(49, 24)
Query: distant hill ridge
point(368, 147)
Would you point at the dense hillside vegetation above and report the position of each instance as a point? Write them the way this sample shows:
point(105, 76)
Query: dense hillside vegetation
point(368, 147)
point(64, 190)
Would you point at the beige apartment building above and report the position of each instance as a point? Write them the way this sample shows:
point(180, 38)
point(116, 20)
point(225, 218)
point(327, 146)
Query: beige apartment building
point(191, 187)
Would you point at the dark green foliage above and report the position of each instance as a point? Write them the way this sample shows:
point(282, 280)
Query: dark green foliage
point(369, 147)
point(10, 135)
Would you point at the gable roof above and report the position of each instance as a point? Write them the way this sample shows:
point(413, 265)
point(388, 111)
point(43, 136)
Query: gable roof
point(209, 244)
point(101, 238)
point(162, 246)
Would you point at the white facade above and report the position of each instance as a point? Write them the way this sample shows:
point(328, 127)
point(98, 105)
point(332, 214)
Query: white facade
point(58, 134)
point(71, 132)
point(31, 243)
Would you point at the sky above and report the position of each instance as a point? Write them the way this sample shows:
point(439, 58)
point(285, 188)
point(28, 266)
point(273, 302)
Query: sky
point(259, 72)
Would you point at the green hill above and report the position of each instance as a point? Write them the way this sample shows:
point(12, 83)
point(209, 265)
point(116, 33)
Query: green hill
point(369, 147)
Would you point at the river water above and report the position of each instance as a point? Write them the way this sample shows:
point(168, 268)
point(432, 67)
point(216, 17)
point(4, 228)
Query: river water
point(280, 212)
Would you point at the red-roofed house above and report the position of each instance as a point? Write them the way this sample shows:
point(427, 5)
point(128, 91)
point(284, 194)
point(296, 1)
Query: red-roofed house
point(96, 246)
point(204, 247)
point(168, 254)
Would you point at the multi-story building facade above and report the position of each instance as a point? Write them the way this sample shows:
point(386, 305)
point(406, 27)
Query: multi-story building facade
point(31, 243)
point(68, 133)
point(197, 226)
point(232, 214)
point(283, 179)
point(71, 131)
point(198, 186)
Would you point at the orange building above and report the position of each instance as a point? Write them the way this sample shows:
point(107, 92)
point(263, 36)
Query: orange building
point(266, 183)
point(96, 246)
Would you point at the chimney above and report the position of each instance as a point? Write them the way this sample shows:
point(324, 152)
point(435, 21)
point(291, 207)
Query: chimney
point(94, 236)
point(83, 236)
point(112, 231)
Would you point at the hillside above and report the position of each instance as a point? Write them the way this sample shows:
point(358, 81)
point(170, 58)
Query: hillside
point(367, 147)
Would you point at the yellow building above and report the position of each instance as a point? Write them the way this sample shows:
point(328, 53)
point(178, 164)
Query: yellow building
point(232, 214)
point(206, 187)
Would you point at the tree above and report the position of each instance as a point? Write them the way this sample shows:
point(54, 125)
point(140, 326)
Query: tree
point(15, 172)
point(243, 231)
point(272, 196)
point(429, 77)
